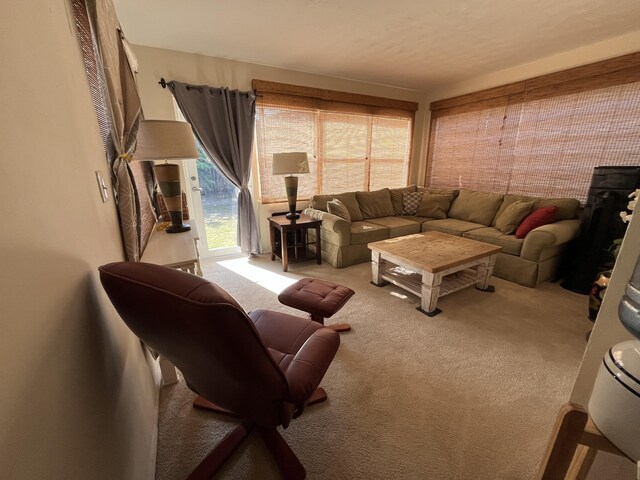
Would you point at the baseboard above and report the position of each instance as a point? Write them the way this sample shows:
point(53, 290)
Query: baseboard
point(156, 373)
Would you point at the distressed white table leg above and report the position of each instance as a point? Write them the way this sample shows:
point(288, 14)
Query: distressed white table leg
point(485, 270)
point(430, 292)
point(377, 269)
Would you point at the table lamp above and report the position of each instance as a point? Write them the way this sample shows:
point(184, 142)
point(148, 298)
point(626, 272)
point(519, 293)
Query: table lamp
point(288, 164)
point(167, 140)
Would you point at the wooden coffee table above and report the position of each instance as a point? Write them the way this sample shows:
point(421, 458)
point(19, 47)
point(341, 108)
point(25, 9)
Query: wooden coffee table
point(432, 265)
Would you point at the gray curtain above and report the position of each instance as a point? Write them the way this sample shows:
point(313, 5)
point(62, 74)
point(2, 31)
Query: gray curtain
point(223, 122)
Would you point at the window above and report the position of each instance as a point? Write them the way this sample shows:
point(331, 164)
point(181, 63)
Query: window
point(351, 146)
point(542, 136)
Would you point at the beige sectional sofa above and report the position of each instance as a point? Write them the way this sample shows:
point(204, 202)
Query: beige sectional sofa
point(378, 215)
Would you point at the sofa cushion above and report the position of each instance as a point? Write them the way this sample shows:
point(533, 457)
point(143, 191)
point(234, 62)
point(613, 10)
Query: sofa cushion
point(509, 243)
point(349, 199)
point(539, 217)
point(365, 232)
point(450, 226)
point(411, 202)
point(567, 208)
point(416, 219)
point(434, 206)
point(396, 197)
point(336, 207)
point(397, 226)
point(476, 207)
point(508, 200)
point(510, 218)
point(375, 204)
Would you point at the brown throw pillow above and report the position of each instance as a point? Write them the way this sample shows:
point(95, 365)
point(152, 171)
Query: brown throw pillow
point(411, 202)
point(376, 204)
point(336, 207)
point(434, 206)
point(512, 216)
point(476, 207)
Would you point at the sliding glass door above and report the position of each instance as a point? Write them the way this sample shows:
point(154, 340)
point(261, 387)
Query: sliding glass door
point(213, 207)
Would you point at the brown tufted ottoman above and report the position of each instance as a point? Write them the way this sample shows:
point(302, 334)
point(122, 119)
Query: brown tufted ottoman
point(319, 298)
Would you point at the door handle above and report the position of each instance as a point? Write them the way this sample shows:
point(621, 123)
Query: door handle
point(196, 189)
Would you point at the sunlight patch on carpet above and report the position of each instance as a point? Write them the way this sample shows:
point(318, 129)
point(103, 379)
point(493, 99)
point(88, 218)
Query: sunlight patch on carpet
point(399, 295)
point(270, 280)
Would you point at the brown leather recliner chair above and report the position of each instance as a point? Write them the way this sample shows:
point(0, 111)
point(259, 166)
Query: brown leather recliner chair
point(263, 367)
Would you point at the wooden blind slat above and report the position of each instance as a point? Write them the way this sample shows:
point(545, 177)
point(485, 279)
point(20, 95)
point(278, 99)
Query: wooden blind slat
point(623, 69)
point(473, 107)
point(607, 79)
point(283, 100)
point(264, 86)
point(491, 94)
point(597, 69)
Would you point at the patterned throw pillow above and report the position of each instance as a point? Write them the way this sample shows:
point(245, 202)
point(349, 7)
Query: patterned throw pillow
point(313, 213)
point(336, 207)
point(411, 202)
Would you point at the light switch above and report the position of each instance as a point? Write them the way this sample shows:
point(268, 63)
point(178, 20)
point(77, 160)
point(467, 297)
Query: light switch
point(104, 190)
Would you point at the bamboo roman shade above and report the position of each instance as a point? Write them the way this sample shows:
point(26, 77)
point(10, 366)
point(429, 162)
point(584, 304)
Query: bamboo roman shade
point(354, 142)
point(542, 136)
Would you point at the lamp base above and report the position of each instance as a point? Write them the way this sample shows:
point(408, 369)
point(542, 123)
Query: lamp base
point(177, 228)
point(291, 186)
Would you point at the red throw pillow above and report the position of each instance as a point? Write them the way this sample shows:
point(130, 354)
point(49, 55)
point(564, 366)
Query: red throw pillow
point(539, 217)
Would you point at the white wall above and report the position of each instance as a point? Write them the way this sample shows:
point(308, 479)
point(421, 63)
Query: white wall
point(78, 397)
point(155, 63)
point(614, 47)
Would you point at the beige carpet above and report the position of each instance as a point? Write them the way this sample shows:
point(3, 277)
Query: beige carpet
point(469, 394)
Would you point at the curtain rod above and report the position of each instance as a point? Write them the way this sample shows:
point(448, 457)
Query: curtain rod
point(163, 83)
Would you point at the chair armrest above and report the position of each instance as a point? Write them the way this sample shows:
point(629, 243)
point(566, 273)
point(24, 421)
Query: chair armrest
point(310, 364)
point(333, 223)
point(546, 236)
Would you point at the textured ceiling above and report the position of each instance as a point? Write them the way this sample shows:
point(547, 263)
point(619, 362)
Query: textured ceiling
point(418, 44)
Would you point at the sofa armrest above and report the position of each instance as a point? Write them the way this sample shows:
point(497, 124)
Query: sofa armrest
point(546, 236)
point(338, 226)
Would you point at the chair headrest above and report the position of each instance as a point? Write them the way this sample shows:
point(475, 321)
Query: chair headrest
point(170, 280)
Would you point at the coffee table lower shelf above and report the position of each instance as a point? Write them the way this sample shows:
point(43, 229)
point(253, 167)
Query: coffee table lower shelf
point(412, 282)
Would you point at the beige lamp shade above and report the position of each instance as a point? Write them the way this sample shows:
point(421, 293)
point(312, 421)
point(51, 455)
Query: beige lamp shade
point(289, 163)
point(165, 140)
